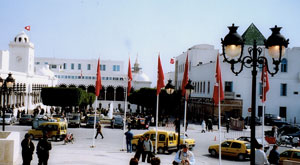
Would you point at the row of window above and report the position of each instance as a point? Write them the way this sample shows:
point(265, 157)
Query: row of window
point(87, 77)
point(182, 67)
point(79, 66)
point(201, 86)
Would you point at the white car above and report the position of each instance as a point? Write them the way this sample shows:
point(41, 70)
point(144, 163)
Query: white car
point(9, 119)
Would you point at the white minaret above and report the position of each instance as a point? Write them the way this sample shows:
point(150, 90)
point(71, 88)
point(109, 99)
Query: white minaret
point(21, 54)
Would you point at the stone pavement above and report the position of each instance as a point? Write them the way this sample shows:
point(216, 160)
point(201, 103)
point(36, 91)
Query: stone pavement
point(107, 150)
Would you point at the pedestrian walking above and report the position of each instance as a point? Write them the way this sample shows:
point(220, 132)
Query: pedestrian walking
point(260, 156)
point(27, 149)
point(227, 125)
point(274, 156)
point(139, 148)
point(203, 125)
point(129, 137)
point(99, 130)
point(43, 148)
point(148, 149)
point(184, 156)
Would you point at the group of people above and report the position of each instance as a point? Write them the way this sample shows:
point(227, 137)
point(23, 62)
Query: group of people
point(261, 158)
point(42, 150)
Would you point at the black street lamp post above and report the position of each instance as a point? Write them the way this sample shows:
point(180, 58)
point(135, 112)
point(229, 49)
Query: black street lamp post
point(188, 90)
point(5, 89)
point(233, 45)
point(170, 90)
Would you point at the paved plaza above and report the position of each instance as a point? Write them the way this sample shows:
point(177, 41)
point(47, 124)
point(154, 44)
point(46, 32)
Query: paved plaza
point(108, 150)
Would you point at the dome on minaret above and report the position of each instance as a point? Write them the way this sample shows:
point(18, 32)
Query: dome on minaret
point(21, 38)
point(137, 73)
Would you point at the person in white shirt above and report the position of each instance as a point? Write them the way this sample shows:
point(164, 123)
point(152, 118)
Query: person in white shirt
point(260, 156)
point(184, 156)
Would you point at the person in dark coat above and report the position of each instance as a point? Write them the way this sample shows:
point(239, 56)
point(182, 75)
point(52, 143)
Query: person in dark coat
point(27, 149)
point(139, 148)
point(129, 137)
point(42, 150)
point(274, 156)
point(176, 124)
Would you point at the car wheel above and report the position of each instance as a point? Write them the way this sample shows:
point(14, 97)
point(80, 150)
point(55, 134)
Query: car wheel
point(134, 147)
point(213, 153)
point(160, 150)
point(241, 157)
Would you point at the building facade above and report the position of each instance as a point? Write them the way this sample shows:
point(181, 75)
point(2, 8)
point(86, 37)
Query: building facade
point(282, 98)
point(19, 61)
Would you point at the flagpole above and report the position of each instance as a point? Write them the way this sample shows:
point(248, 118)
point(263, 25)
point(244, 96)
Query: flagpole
point(124, 120)
point(263, 111)
point(156, 123)
point(94, 130)
point(219, 108)
point(184, 119)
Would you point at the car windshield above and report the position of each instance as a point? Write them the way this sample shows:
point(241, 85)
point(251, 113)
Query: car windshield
point(75, 118)
point(248, 146)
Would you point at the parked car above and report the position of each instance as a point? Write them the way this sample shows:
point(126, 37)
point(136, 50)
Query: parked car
point(189, 141)
point(258, 141)
point(55, 130)
point(90, 121)
point(74, 120)
point(248, 121)
point(280, 123)
point(8, 119)
point(270, 118)
point(291, 154)
point(288, 129)
point(26, 119)
point(235, 148)
point(118, 122)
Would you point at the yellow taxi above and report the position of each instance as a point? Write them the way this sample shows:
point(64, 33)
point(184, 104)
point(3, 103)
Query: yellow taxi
point(291, 154)
point(55, 130)
point(187, 140)
point(235, 148)
point(167, 140)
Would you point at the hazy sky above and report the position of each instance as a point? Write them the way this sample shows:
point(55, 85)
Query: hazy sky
point(115, 29)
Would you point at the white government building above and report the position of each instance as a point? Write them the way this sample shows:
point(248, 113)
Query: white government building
point(31, 73)
point(283, 97)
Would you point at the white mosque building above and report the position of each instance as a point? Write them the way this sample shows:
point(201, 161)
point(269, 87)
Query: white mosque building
point(282, 98)
point(19, 61)
point(31, 73)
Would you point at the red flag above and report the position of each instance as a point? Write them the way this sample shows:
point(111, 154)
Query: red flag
point(218, 85)
point(172, 61)
point(129, 78)
point(98, 81)
point(185, 78)
point(160, 77)
point(27, 28)
point(265, 83)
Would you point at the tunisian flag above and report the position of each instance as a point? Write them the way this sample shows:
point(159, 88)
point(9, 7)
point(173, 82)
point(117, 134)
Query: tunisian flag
point(160, 77)
point(98, 81)
point(27, 28)
point(185, 78)
point(129, 78)
point(218, 85)
point(265, 83)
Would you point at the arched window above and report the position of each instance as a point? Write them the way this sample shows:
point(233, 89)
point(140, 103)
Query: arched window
point(284, 65)
point(120, 94)
point(25, 39)
point(110, 93)
point(20, 39)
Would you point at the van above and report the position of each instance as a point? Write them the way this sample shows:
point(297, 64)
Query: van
point(55, 130)
point(167, 140)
